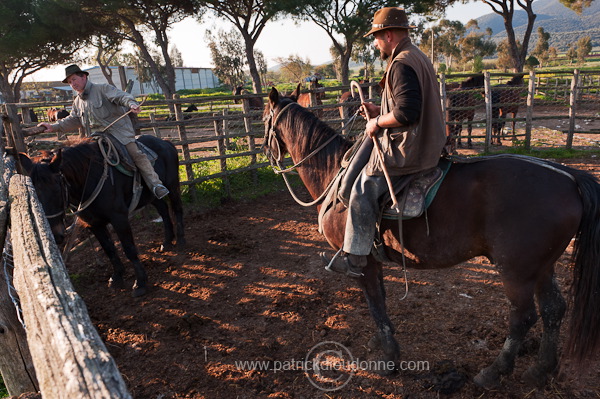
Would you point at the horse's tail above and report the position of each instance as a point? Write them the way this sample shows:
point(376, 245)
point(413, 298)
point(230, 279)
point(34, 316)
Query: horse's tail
point(584, 328)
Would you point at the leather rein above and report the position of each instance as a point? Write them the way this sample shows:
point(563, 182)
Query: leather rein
point(272, 140)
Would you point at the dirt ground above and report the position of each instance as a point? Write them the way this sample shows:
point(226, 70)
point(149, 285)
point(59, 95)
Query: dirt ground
point(249, 287)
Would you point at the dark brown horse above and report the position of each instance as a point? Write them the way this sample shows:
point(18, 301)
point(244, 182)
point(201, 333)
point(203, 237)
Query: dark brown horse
point(460, 106)
point(254, 103)
point(72, 178)
point(519, 212)
point(305, 100)
point(506, 99)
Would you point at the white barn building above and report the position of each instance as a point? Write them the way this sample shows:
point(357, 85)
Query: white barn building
point(185, 78)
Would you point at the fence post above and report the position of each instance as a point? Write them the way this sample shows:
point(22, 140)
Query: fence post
point(16, 364)
point(313, 93)
point(251, 141)
point(155, 128)
point(529, 116)
point(185, 149)
point(443, 92)
point(488, 111)
point(222, 160)
point(13, 129)
point(572, 108)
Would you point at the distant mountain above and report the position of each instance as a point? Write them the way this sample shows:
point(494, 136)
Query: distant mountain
point(564, 25)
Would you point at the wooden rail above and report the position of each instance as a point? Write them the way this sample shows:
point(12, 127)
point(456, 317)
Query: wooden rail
point(69, 357)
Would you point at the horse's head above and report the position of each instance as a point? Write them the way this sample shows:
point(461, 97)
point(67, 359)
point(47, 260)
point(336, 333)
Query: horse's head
point(273, 145)
point(50, 188)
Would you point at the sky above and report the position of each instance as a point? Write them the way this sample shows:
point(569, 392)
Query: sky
point(278, 39)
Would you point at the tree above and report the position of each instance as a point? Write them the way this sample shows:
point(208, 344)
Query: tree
point(542, 46)
point(294, 69)
point(249, 17)
point(584, 48)
point(475, 43)
point(517, 49)
point(176, 57)
point(227, 53)
point(344, 22)
point(572, 53)
point(446, 35)
point(532, 62)
point(364, 52)
point(504, 60)
point(138, 18)
point(33, 37)
point(107, 49)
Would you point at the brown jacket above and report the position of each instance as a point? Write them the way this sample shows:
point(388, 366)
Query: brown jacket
point(97, 107)
point(411, 149)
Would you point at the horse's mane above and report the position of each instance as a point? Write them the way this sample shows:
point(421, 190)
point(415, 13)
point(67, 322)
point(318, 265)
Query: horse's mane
point(77, 157)
point(314, 131)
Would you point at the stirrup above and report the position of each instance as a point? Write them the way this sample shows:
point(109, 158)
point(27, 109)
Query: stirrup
point(341, 265)
point(160, 191)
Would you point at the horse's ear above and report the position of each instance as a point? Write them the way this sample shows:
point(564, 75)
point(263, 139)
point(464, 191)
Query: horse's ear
point(296, 93)
point(273, 97)
point(56, 161)
point(26, 162)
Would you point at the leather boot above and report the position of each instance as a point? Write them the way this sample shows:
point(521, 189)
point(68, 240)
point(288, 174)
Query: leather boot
point(147, 171)
point(349, 264)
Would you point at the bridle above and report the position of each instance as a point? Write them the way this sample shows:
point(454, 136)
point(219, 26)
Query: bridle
point(64, 193)
point(272, 141)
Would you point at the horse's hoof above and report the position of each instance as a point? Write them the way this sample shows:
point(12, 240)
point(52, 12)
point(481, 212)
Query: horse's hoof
point(374, 343)
point(139, 291)
point(487, 378)
point(535, 377)
point(166, 247)
point(116, 283)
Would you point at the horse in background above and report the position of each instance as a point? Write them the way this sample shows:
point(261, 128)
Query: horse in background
point(304, 99)
point(78, 176)
point(55, 114)
point(506, 99)
point(254, 103)
point(461, 97)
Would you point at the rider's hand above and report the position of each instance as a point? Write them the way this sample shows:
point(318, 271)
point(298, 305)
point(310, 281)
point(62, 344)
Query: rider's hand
point(135, 108)
point(372, 109)
point(47, 126)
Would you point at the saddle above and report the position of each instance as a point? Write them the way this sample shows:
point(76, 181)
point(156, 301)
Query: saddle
point(121, 160)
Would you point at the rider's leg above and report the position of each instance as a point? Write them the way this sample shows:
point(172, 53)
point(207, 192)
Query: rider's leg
point(147, 171)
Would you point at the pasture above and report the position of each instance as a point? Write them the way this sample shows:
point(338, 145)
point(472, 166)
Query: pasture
point(250, 287)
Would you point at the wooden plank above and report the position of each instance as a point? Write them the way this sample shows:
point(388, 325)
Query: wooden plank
point(70, 359)
point(16, 364)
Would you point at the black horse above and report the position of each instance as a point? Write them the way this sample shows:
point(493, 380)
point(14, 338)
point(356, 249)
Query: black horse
point(506, 99)
point(460, 106)
point(78, 173)
point(521, 213)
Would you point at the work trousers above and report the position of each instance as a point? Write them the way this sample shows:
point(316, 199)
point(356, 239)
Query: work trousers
point(143, 164)
point(363, 212)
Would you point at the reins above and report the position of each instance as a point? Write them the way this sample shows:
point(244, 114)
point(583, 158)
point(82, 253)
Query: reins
point(277, 168)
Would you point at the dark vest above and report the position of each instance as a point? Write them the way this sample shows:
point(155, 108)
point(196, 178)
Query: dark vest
point(411, 149)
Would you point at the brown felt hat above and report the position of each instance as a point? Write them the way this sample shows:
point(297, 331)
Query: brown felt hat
point(72, 69)
point(389, 18)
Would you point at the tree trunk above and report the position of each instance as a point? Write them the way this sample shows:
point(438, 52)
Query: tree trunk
point(256, 85)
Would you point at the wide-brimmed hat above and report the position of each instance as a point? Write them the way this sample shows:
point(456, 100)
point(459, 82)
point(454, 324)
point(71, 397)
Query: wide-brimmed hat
point(72, 69)
point(389, 18)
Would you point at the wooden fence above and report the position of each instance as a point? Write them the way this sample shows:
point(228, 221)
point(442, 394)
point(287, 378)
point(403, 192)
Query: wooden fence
point(224, 138)
point(63, 355)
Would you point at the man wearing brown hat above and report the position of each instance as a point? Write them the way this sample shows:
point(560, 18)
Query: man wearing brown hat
point(98, 106)
point(409, 126)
